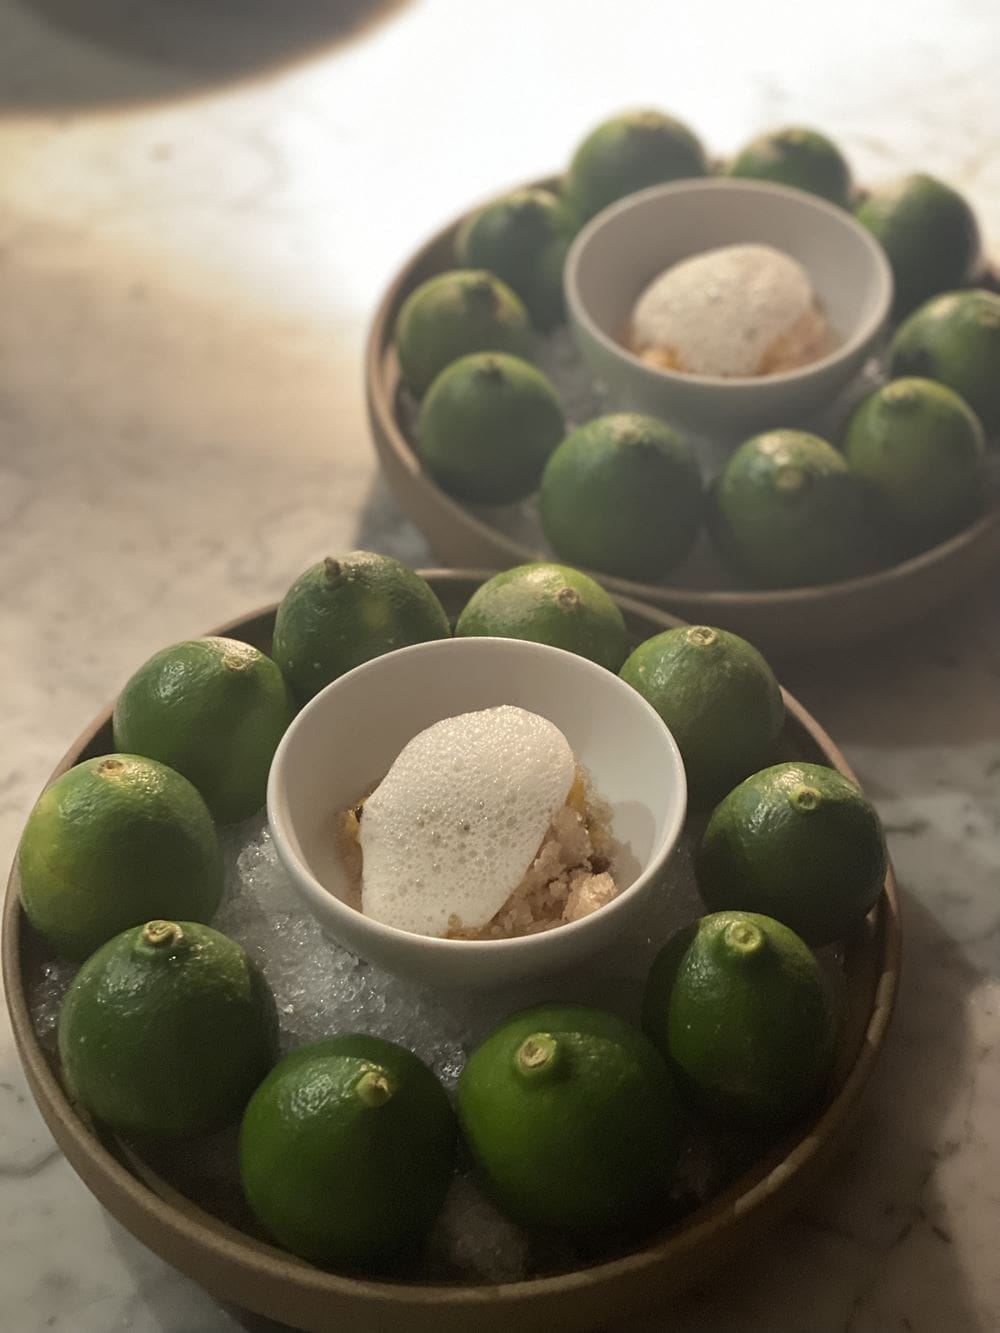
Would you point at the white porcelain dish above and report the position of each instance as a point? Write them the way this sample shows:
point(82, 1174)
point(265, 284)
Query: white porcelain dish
point(345, 740)
point(620, 251)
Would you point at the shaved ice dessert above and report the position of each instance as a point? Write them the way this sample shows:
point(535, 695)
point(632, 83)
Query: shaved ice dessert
point(736, 311)
point(485, 827)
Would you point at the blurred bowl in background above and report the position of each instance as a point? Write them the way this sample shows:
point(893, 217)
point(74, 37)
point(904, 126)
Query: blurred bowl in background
point(620, 251)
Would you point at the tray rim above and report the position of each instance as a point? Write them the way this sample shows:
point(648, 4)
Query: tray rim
point(399, 460)
point(198, 1243)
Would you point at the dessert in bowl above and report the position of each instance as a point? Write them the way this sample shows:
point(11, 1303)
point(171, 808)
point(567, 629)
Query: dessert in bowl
point(351, 735)
point(632, 257)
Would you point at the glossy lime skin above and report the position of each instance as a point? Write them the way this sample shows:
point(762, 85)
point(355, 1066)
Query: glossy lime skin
point(786, 511)
point(955, 339)
point(920, 450)
point(348, 609)
point(736, 1005)
point(718, 697)
point(622, 495)
point(627, 153)
point(167, 1040)
point(523, 239)
point(214, 709)
point(798, 157)
point(929, 233)
point(111, 843)
point(453, 314)
point(798, 842)
point(551, 604)
point(585, 1138)
point(487, 426)
point(347, 1150)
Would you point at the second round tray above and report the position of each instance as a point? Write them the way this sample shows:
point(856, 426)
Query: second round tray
point(783, 622)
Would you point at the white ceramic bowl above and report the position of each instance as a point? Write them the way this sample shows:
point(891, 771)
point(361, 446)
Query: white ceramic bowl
point(345, 739)
point(624, 247)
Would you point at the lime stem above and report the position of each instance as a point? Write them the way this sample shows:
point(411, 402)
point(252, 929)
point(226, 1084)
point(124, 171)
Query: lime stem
point(374, 1088)
point(743, 939)
point(900, 395)
point(537, 1054)
point(481, 294)
point(806, 798)
point(161, 934)
point(332, 568)
point(491, 370)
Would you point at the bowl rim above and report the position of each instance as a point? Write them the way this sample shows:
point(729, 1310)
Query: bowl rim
point(844, 352)
point(227, 1260)
point(522, 947)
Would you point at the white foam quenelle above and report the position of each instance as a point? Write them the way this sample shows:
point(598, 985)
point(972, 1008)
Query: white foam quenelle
point(449, 833)
point(733, 310)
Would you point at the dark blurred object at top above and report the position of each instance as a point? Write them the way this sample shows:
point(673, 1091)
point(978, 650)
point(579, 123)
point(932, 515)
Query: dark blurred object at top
point(63, 54)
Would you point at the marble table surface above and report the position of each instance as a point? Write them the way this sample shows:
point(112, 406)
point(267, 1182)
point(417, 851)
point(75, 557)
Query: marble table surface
point(200, 204)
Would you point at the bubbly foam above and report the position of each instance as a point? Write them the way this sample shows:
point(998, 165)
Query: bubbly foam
point(449, 833)
point(728, 312)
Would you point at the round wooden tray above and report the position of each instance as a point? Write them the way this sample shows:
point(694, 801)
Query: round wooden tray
point(784, 622)
point(200, 1233)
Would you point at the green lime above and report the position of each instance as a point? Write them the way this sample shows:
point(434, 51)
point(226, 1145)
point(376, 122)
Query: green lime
point(345, 611)
point(523, 239)
point(787, 511)
point(798, 157)
point(797, 842)
point(929, 233)
point(453, 314)
point(347, 1149)
point(166, 1031)
point(955, 339)
point(736, 1005)
point(571, 1116)
point(109, 844)
point(214, 709)
point(548, 604)
point(487, 426)
point(622, 494)
point(719, 699)
point(627, 153)
point(919, 448)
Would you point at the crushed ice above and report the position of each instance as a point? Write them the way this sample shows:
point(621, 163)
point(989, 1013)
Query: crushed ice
point(321, 988)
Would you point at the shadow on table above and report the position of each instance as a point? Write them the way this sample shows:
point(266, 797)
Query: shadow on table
point(936, 681)
point(139, 50)
point(382, 526)
point(255, 1323)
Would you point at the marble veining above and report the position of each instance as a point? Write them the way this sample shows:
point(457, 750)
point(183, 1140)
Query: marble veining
point(190, 250)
